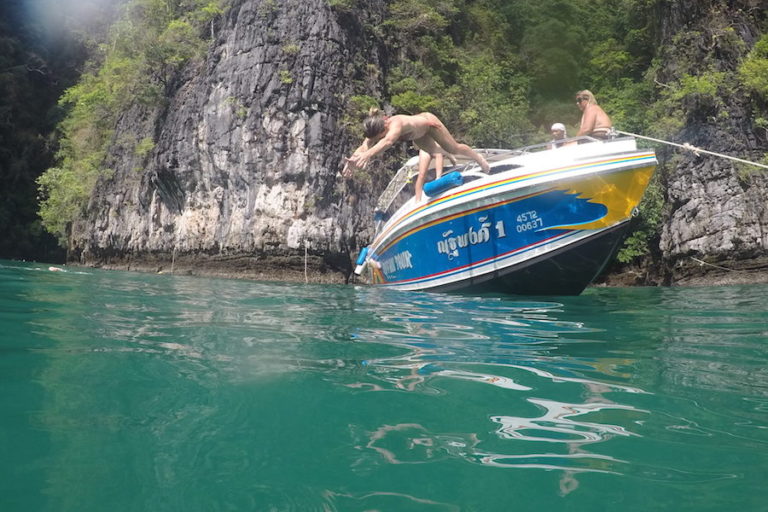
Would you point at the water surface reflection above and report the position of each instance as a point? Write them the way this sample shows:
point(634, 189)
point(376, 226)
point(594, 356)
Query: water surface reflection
point(239, 395)
point(453, 344)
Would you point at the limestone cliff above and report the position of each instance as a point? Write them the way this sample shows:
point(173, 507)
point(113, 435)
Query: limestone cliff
point(242, 177)
point(717, 209)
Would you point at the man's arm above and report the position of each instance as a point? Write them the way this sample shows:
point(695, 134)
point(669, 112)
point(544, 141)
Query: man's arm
point(393, 134)
point(394, 130)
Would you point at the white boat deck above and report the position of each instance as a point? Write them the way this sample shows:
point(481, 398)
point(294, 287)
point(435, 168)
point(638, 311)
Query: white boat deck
point(541, 162)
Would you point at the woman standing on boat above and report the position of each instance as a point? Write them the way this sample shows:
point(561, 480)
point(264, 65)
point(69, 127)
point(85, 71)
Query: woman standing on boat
point(425, 130)
point(594, 121)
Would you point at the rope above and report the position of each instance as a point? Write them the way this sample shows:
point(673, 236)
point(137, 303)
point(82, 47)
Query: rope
point(760, 268)
point(700, 262)
point(693, 148)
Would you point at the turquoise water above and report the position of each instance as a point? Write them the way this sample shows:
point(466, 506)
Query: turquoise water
point(133, 392)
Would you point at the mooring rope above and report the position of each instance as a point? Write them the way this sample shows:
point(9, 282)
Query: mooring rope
point(700, 262)
point(692, 148)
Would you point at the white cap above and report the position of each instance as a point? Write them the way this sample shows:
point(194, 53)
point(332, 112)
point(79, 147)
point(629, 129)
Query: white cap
point(558, 126)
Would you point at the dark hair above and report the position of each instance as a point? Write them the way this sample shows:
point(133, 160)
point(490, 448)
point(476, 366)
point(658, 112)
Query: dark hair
point(374, 124)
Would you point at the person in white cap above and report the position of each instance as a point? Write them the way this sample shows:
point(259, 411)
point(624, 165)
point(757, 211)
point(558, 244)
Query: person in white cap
point(558, 134)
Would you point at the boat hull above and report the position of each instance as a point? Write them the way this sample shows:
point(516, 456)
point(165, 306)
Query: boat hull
point(551, 235)
point(565, 272)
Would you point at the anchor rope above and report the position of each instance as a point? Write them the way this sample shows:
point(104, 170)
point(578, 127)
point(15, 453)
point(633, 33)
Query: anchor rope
point(692, 148)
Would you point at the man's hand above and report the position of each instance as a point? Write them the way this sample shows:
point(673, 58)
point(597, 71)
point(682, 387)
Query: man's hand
point(353, 163)
point(349, 168)
point(359, 160)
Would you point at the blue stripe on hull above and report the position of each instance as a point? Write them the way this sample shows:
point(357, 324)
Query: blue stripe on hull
point(479, 242)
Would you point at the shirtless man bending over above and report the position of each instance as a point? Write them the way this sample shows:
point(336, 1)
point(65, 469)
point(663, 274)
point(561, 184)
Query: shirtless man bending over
point(425, 130)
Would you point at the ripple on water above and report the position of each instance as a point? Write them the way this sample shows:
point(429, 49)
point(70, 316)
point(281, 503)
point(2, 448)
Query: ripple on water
point(258, 396)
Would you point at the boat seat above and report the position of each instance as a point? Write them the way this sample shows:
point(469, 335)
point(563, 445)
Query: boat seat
point(443, 183)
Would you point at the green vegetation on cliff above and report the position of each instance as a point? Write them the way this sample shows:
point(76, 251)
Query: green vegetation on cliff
point(500, 72)
point(754, 69)
point(146, 47)
point(507, 70)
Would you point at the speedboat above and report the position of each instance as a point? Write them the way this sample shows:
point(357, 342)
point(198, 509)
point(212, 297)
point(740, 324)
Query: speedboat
point(544, 221)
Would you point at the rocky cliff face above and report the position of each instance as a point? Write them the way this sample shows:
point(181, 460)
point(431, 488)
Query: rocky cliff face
point(242, 178)
point(717, 209)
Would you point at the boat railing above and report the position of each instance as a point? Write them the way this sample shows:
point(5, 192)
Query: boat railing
point(542, 146)
point(409, 170)
point(402, 177)
point(498, 154)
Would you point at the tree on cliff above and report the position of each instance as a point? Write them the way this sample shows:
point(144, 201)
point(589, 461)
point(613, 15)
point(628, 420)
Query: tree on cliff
point(146, 46)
